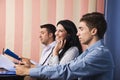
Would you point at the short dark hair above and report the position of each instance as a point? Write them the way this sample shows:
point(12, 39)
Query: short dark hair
point(50, 28)
point(95, 20)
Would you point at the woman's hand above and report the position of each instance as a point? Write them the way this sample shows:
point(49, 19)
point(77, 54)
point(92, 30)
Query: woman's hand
point(60, 44)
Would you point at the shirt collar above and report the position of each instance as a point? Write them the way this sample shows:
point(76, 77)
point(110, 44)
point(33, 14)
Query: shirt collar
point(50, 45)
point(98, 43)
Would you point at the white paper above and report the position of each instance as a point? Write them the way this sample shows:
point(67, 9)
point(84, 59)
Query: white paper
point(33, 62)
point(6, 63)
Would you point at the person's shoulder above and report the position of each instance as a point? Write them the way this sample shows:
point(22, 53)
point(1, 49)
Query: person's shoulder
point(101, 50)
point(73, 48)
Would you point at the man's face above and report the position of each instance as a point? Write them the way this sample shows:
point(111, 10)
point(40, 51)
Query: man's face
point(84, 34)
point(44, 36)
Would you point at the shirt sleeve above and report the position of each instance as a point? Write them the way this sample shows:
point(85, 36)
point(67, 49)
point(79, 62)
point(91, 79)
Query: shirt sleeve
point(54, 60)
point(96, 62)
point(69, 55)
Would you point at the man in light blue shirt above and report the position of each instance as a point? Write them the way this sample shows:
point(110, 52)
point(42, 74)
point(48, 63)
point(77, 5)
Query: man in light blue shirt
point(95, 63)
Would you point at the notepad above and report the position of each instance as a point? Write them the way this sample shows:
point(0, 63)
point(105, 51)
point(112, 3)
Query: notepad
point(6, 63)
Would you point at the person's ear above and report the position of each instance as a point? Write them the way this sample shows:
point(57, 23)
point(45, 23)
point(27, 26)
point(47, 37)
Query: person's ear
point(50, 35)
point(94, 31)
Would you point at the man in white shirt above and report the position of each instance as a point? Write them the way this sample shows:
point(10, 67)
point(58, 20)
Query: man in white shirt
point(47, 38)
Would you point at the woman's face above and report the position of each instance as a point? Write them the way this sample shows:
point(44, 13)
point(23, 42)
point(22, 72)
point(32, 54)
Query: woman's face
point(60, 33)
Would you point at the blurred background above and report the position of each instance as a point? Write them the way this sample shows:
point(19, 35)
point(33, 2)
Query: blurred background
point(20, 22)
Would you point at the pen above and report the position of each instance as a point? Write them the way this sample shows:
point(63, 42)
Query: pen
point(3, 51)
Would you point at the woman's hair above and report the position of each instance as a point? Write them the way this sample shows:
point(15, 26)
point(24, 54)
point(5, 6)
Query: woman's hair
point(71, 39)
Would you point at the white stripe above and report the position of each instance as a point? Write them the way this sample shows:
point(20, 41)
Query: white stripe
point(76, 11)
point(43, 11)
point(27, 24)
point(59, 10)
point(43, 17)
point(10, 24)
point(92, 6)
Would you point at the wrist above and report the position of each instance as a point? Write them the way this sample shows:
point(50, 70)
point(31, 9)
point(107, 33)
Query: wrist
point(27, 72)
point(55, 54)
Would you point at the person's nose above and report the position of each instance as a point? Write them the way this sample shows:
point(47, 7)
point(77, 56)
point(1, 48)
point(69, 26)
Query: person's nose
point(40, 36)
point(56, 33)
point(78, 33)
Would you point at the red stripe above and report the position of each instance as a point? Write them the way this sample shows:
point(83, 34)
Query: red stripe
point(2, 23)
point(68, 9)
point(18, 27)
point(100, 6)
point(84, 7)
point(52, 11)
point(83, 10)
point(35, 30)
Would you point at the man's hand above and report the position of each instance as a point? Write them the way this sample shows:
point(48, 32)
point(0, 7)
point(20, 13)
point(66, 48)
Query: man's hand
point(26, 62)
point(22, 70)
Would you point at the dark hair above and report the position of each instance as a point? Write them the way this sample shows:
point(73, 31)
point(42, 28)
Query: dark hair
point(50, 28)
point(71, 39)
point(95, 20)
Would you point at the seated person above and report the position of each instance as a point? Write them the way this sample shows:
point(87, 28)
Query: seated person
point(95, 63)
point(68, 46)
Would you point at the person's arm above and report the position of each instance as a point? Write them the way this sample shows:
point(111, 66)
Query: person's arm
point(95, 62)
point(69, 55)
point(54, 60)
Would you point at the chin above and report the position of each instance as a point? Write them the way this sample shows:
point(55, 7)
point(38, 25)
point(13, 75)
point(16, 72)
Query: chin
point(83, 43)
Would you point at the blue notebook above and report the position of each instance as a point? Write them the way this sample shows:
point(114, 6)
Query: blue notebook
point(12, 54)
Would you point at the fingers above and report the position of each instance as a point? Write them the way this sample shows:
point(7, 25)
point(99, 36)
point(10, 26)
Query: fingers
point(20, 70)
point(18, 65)
point(62, 43)
point(25, 63)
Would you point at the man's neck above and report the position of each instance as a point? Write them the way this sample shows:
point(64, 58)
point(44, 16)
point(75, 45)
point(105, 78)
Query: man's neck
point(93, 41)
point(49, 43)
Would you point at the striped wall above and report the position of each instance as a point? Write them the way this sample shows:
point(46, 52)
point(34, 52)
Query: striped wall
point(20, 21)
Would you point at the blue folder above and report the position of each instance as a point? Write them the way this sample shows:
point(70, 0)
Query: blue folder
point(12, 54)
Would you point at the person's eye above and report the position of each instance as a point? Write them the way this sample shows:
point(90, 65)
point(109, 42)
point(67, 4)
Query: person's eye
point(81, 29)
point(42, 32)
point(61, 30)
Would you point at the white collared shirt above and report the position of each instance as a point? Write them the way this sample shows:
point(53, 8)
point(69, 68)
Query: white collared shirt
point(46, 52)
